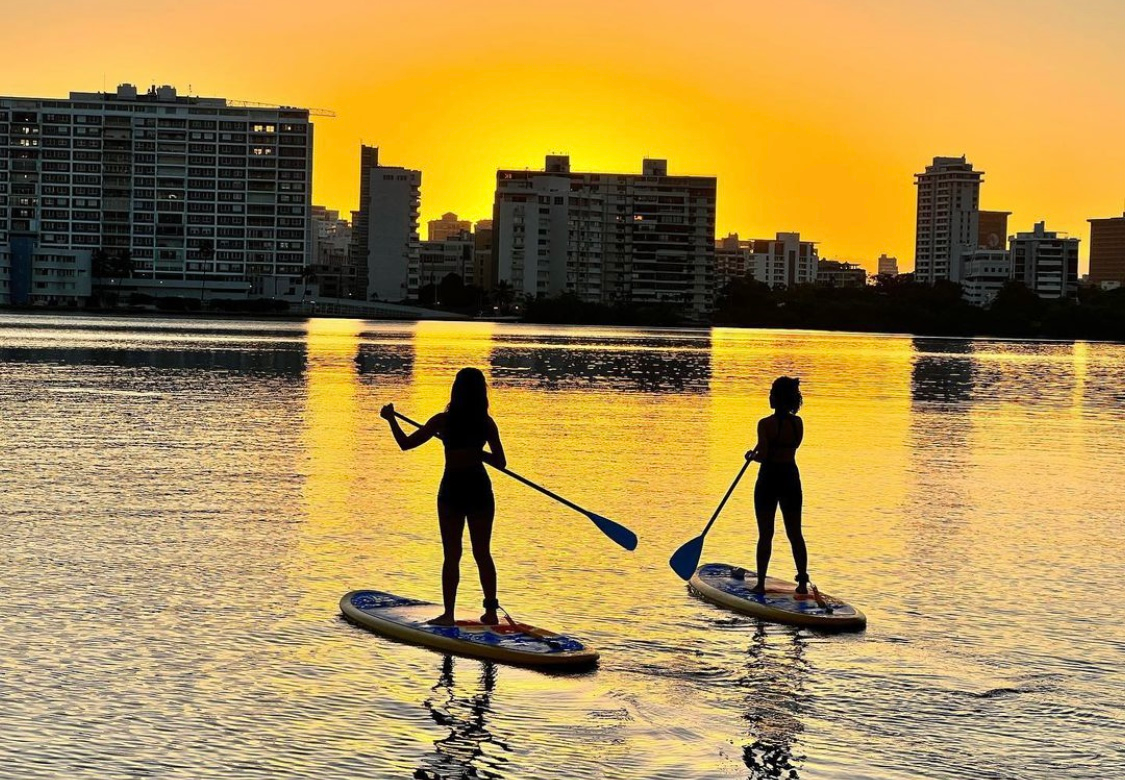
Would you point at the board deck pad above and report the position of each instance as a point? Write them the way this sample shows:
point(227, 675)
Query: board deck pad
point(405, 619)
point(717, 583)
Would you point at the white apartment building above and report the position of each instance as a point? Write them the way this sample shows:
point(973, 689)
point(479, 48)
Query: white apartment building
point(785, 260)
point(196, 192)
point(947, 219)
point(1045, 261)
point(782, 261)
point(385, 229)
point(984, 272)
point(606, 237)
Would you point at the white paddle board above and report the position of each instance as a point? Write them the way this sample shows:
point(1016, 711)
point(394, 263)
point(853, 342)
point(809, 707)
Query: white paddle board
point(405, 620)
point(721, 584)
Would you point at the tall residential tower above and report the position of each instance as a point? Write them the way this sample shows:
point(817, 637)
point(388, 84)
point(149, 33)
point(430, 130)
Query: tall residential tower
point(947, 221)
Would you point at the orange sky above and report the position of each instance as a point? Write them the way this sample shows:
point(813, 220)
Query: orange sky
point(814, 114)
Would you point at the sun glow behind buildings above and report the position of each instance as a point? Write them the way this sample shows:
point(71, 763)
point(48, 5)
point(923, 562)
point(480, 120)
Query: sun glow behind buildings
point(814, 115)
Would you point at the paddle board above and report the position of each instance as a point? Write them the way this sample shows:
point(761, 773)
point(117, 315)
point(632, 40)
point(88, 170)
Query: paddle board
point(718, 583)
point(404, 619)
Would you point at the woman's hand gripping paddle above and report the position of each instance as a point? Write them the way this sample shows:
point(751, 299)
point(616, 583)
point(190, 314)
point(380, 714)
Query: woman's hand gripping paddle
point(615, 531)
point(686, 559)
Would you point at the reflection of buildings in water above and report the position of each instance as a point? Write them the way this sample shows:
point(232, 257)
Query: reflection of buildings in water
point(462, 754)
point(278, 358)
point(943, 370)
point(385, 359)
point(775, 680)
point(645, 368)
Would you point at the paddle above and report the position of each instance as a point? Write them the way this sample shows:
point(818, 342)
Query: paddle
point(685, 560)
point(615, 531)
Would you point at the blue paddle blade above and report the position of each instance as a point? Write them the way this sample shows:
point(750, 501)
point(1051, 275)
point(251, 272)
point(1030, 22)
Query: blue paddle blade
point(615, 531)
point(685, 560)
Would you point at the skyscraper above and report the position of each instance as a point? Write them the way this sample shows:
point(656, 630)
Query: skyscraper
point(947, 219)
point(195, 194)
point(606, 237)
point(1107, 250)
point(385, 229)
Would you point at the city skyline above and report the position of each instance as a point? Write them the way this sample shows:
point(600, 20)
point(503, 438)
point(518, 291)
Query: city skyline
point(824, 140)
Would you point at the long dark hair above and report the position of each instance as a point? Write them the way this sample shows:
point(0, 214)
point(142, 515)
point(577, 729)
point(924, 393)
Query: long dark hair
point(785, 395)
point(468, 405)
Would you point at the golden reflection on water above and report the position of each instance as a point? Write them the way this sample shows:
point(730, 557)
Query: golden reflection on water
point(909, 442)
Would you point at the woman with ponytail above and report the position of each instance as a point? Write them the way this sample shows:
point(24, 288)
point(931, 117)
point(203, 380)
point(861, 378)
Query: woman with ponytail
point(779, 480)
point(465, 494)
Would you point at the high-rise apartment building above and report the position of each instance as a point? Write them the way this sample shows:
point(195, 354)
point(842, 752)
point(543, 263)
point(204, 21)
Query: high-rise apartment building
point(888, 266)
point(947, 218)
point(606, 237)
point(193, 193)
point(448, 227)
point(1107, 251)
point(385, 242)
point(1045, 261)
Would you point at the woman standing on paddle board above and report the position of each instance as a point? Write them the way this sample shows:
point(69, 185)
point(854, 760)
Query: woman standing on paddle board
point(779, 480)
point(465, 493)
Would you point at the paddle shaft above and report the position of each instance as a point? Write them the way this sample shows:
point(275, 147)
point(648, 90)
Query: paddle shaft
point(722, 503)
point(519, 478)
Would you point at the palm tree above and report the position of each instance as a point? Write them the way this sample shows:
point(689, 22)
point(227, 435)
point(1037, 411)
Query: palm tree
point(308, 274)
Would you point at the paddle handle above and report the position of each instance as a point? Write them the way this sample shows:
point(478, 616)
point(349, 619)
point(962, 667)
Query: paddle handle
point(512, 474)
point(722, 503)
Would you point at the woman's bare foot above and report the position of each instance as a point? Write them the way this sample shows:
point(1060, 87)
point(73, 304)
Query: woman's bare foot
point(760, 588)
point(444, 619)
point(803, 589)
point(803, 584)
point(490, 618)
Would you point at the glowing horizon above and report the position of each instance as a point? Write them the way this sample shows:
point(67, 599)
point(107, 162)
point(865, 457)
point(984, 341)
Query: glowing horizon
point(814, 117)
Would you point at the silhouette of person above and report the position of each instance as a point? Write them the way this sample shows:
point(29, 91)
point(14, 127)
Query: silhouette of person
point(779, 480)
point(465, 493)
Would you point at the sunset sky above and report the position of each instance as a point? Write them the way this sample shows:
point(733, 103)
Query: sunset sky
point(814, 114)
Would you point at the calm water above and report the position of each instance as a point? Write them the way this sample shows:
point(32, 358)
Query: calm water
point(184, 502)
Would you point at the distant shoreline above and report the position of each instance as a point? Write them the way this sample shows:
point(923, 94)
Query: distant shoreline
point(147, 314)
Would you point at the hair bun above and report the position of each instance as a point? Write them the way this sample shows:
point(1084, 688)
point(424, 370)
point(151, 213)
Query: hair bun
point(796, 380)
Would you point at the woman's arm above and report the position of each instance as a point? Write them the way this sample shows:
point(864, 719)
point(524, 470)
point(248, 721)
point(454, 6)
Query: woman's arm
point(496, 456)
point(419, 437)
point(762, 448)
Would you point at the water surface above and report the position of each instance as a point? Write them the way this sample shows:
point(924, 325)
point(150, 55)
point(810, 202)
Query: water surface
point(186, 500)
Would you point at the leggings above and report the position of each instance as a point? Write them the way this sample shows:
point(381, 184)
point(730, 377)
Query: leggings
point(779, 484)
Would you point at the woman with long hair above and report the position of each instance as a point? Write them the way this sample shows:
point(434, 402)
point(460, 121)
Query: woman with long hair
point(779, 480)
point(465, 494)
